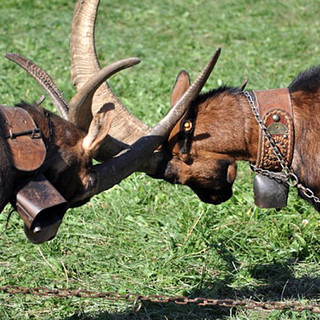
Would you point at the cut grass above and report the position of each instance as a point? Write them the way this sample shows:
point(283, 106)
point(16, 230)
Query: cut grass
point(148, 236)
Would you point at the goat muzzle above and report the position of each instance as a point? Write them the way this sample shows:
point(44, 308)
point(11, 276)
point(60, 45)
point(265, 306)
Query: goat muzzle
point(41, 207)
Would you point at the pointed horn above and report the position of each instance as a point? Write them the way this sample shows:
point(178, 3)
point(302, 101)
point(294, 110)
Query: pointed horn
point(125, 127)
point(118, 168)
point(44, 80)
point(167, 124)
point(80, 104)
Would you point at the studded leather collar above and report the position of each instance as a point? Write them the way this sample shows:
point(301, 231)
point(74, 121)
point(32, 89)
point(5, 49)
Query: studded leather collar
point(275, 110)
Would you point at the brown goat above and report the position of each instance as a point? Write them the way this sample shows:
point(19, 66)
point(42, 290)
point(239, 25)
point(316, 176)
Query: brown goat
point(224, 128)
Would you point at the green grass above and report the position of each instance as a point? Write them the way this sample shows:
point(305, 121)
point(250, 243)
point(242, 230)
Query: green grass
point(148, 236)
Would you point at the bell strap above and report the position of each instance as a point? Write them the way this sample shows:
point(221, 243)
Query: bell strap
point(23, 137)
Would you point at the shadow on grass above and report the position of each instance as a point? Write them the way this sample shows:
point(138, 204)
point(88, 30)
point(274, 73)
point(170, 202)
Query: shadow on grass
point(279, 284)
point(156, 312)
point(275, 282)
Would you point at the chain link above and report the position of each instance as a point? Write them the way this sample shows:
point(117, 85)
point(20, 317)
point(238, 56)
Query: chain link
point(137, 299)
point(288, 176)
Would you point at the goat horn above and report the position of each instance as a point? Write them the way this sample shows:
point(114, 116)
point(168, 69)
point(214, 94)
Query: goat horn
point(44, 80)
point(126, 128)
point(118, 168)
point(80, 104)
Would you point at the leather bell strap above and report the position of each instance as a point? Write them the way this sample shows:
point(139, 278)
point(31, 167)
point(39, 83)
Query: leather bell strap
point(23, 137)
point(275, 110)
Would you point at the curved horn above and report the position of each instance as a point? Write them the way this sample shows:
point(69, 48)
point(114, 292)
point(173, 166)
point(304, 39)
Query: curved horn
point(118, 168)
point(80, 104)
point(44, 80)
point(125, 127)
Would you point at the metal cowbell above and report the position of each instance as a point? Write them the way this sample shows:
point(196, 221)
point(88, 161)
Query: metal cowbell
point(269, 193)
point(41, 207)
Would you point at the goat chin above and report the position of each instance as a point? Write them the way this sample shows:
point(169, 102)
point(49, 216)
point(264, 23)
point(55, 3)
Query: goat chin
point(212, 196)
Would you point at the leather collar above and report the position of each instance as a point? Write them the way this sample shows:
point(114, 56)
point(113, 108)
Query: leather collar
point(275, 110)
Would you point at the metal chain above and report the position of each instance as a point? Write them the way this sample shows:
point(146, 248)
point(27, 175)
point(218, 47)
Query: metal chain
point(137, 299)
point(288, 176)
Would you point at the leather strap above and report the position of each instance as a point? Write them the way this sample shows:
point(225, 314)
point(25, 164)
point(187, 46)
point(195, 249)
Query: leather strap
point(275, 110)
point(24, 138)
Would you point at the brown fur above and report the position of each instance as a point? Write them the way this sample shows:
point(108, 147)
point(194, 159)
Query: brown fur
point(306, 159)
point(219, 140)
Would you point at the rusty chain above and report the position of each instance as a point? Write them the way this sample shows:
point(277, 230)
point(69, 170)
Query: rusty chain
point(288, 176)
point(137, 299)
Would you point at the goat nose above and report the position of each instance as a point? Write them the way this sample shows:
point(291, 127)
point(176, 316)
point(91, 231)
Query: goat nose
point(171, 174)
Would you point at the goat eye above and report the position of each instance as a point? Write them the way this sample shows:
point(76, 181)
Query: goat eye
point(187, 126)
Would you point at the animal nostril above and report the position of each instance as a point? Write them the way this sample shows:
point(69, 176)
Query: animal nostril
point(231, 173)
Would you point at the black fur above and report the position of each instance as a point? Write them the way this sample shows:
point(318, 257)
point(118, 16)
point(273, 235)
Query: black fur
point(308, 81)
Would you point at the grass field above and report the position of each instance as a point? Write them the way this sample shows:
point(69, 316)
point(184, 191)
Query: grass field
point(148, 236)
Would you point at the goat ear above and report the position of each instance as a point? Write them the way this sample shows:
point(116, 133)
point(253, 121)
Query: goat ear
point(98, 129)
point(244, 84)
point(180, 87)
